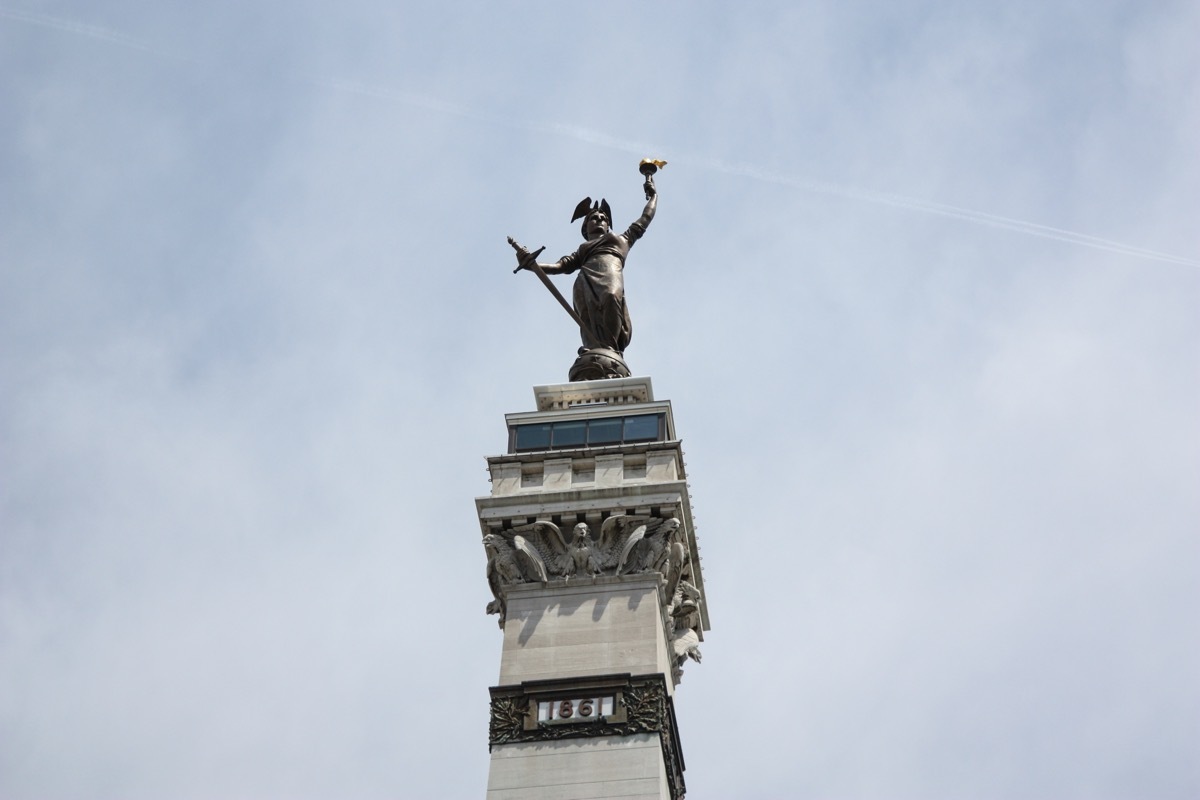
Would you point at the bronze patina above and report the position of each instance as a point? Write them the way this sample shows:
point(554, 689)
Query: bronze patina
point(598, 306)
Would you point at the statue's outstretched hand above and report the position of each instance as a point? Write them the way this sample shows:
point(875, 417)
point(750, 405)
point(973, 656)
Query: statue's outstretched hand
point(650, 188)
point(522, 254)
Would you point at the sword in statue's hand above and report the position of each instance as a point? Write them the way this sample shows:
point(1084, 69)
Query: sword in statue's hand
point(528, 260)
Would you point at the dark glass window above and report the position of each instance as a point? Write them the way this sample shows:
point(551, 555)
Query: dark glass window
point(641, 429)
point(604, 431)
point(570, 434)
point(533, 437)
point(595, 432)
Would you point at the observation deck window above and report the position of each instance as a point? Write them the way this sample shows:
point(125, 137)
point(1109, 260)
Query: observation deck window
point(595, 432)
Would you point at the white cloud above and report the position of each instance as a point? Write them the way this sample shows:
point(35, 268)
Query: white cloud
point(259, 334)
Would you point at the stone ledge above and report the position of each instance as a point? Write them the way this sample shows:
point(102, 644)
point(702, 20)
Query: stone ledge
point(613, 391)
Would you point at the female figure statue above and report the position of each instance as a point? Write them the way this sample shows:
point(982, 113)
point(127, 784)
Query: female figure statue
point(599, 295)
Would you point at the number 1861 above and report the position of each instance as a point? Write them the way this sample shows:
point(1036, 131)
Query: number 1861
point(575, 709)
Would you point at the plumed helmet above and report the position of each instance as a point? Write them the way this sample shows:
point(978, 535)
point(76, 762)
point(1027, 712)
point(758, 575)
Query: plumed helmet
point(586, 207)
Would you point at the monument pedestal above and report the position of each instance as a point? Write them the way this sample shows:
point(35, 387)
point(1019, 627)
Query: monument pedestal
point(593, 565)
point(598, 364)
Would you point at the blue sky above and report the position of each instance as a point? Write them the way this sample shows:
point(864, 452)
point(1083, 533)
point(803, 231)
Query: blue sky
point(922, 288)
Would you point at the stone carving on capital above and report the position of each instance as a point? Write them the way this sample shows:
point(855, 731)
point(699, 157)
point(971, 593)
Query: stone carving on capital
point(628, 544)
point(684, 612)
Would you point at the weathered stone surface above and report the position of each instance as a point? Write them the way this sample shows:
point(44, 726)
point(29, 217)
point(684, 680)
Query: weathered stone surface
point(585, 628)
point(556, 475)
point(610, 470)
point(574, 769)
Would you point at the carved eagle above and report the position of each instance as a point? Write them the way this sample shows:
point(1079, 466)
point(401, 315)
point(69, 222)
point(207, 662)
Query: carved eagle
point(584, 556)
point(542, 547)
point(635, 543)
point(502, 569)
point(685, 612)
point(522, 554)
point(686, 644)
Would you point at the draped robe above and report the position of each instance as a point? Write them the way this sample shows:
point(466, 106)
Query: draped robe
point(599, 295)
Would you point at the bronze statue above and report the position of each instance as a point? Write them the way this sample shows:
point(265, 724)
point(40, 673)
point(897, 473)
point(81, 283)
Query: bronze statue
point(599, 305)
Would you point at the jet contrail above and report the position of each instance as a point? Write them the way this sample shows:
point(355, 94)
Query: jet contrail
point(954, 212)
point(601, 139)
point(84, 29)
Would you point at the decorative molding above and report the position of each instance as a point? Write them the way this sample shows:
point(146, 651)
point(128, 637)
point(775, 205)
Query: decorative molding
point(622, 391)
point(505, 513)
point(627, 544)
point(642, 705)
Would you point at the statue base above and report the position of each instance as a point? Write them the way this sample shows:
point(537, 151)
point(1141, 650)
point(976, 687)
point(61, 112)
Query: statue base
point(598, 364)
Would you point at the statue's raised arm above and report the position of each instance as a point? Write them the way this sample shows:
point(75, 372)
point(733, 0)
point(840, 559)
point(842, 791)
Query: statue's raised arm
point(599, 305)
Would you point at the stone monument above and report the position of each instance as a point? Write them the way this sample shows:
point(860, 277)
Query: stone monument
point(594, 572)
point(596, 583)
